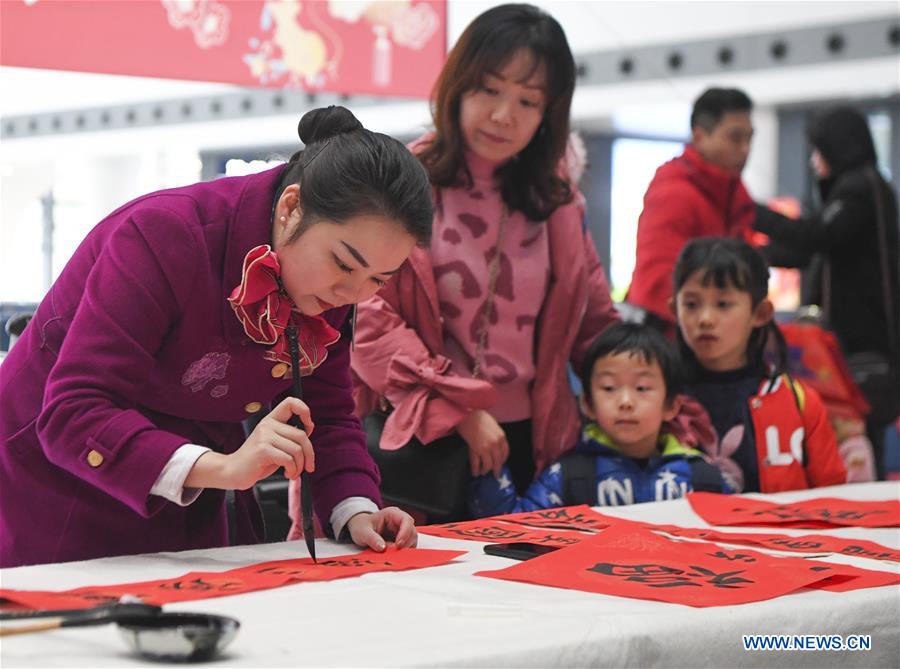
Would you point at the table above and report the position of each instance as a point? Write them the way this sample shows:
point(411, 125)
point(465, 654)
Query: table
point(444, 616)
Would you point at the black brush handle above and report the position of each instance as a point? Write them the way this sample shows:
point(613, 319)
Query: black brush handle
point(96, 615)
point(306, 506)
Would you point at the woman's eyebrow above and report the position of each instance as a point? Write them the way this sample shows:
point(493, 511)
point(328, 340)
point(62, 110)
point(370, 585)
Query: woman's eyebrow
point(362, 261)
point(356, 254)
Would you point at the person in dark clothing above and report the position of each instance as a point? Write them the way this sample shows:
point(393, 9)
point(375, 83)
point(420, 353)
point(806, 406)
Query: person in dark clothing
point(860, 281)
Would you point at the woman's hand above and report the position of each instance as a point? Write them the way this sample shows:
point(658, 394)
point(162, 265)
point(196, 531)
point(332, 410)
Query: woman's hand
point(488, 448)
point(369, 530)
point(272, 444)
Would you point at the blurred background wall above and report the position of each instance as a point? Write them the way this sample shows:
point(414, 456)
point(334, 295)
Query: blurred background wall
point(74, 146)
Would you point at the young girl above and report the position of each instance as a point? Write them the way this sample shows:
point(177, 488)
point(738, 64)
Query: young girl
point(773, 432)
point(120, 423)
point(471, 341)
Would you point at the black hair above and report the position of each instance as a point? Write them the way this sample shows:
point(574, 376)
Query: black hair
point(842, 136)
point(640, 340)
point(346, 171)
point(531, 181)
point(714, 103)
point(728, 262)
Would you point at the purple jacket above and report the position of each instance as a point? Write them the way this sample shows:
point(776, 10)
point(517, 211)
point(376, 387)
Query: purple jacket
point(134, 352)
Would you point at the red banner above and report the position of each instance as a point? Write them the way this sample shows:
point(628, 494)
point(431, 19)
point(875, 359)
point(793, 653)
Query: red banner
point(523, 527)
point(805, 543)
point(581, 517)
point(391, 48)
point(206, 585)
point(495, 531)
point(845, 577)
point(823, 512)
point(628, 561)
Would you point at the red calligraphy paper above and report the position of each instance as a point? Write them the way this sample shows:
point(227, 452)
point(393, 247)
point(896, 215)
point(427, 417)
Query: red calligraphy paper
point(492, 530)
point(845, 577)
point(581, 517)
point(812, 513)
point(805, 543)
point(629, 561)
point(206, 585)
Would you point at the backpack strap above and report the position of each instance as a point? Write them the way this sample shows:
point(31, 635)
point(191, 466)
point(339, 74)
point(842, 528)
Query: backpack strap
point(577, 477)
point(706, 477)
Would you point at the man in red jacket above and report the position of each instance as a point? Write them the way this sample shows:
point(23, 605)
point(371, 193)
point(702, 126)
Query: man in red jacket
point(697, 194)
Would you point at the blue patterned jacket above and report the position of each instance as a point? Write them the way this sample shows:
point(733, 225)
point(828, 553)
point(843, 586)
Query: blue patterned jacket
point(598, 474)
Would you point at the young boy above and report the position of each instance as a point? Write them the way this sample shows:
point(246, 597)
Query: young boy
point(631, 378)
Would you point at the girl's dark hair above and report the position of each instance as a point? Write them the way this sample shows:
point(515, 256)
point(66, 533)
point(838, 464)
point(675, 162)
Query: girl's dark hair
point(346, 171)
point(531, 181)
point(727, 262)
point(637, 339)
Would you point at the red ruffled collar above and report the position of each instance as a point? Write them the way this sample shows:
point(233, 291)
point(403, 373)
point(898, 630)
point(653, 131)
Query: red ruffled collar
point(265, 310)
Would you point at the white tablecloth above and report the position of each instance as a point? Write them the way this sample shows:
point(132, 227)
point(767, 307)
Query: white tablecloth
point(444, 616)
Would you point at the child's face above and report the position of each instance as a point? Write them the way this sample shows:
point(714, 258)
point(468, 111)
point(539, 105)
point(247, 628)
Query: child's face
point(628, 402)
point(716, 323)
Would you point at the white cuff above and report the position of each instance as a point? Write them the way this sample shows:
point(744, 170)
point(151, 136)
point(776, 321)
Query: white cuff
point(346, 509)
point(170, 484)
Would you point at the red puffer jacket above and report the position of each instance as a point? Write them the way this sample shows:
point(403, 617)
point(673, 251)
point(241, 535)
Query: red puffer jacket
point(688, 198)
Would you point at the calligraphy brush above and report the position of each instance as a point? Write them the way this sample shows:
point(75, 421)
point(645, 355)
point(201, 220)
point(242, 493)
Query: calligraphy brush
point(306, 506)
point(98, 615)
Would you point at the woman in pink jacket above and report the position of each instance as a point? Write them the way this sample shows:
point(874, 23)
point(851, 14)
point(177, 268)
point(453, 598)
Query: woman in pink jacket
point(468, 346)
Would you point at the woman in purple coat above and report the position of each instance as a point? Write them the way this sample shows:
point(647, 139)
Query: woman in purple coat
point(122, 403)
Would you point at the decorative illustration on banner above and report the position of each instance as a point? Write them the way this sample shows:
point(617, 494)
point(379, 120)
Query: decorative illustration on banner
point(207, 20)
point(297, 45)
point(288, 50)
point(387, 47)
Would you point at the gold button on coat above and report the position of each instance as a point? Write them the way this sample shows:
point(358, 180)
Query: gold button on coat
point(94, 458)
point(253, 407)
point(279, 370)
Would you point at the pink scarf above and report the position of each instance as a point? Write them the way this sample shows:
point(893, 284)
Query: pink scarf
point(265, 310)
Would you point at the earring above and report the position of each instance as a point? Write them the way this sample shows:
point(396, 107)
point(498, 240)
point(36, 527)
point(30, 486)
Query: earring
point(283, 219)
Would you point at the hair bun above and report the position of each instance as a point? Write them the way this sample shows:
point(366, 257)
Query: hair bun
point(318, 125)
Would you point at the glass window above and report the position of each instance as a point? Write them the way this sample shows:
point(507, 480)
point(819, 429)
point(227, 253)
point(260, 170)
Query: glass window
point(880, 126)
point(634, 162)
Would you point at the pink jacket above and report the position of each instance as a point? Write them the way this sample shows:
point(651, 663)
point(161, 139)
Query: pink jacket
point(398, 354)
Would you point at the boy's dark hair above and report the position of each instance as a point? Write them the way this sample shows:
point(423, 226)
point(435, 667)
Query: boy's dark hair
point(530, 182)
point(713, 103)
point(637, 339)
point(729, 262)
point(346, 171)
